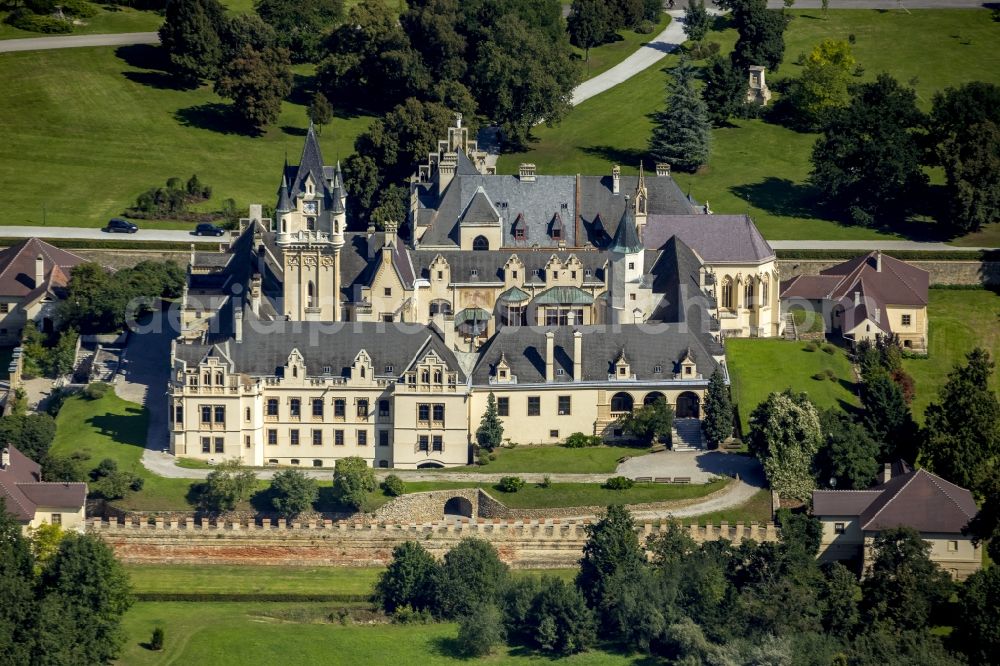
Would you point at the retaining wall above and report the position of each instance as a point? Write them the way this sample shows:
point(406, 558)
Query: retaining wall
point(986, 273)
point(551, 543)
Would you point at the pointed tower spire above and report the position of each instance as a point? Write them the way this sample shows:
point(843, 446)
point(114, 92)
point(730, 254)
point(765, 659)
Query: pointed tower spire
point(642, 177)
point(284, 203)
point(626, 240)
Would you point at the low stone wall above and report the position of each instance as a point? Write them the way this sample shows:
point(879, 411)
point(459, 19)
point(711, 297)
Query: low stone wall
point(986, 273)
point(532, 544)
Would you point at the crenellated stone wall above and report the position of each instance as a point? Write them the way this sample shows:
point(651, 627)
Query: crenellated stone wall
point(551, 543)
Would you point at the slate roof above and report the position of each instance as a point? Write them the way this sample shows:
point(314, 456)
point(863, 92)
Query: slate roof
point(266, 346)
point(23, 490)
point(17, 268)
point(480, 211)
point(488, 265)
point(646, 346)
point(626, 240)
point(675, 273)
point(916, 499)
point(716, 238)
point(598, 200)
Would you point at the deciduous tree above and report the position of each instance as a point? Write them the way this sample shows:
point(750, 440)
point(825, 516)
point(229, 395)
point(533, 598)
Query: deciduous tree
point(190, 36)
point(612, 546)
point(301, 25)
point(353, 479)
point(888, 419)
point(849, 456)
point(588, 24)
point(18, 611)
point(32, 434)
point(681, 134)
point(292, 493)
point(977, 625)
point(409, 580)
point(229, 484)
point(762, 34)
point(257, 81)
point(320, 112)
point(785, 436)
point(823, 84)
point(562, 621)
point(471, 574)
point(649, 424)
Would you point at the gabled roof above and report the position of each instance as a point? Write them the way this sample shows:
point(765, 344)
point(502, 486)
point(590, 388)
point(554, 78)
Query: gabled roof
point(716, 238)
point(480, 211)
point(897, 283)
point(23, 490)
point(916, 499)
point(17, 267)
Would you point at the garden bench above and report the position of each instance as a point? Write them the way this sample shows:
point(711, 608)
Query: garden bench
point(682, 479)
point(662, 479)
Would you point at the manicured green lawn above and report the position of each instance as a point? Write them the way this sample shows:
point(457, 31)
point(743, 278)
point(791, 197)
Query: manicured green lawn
point(759, 166)
point(959, 321)
point(106, 123)
point(606, 56)
point(282, 633)
point(243, 579)
point(109, 19)
point(758, 367)
point(555, 459)
point(757, 508)
point(533, 496)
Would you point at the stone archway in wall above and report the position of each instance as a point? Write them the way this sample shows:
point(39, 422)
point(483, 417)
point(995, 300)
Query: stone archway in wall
point(458, 507)
point(653, 397)
point(688, 406)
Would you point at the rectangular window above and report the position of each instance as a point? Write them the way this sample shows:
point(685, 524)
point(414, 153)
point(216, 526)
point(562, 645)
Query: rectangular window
point(906, 320)
point(363, 408)
point(554, 434)
point(220, 414)
point(839, 528)
point(438, 413)
point(317, 438)
point(383, 438)
point(318, 407)
point(362, 438)
point(338, 437)
point(272, 437)
point(564, 405)
point(422, 442)
point(272, 406)
point(387, 291)
point(179, 414)
point(534, 405)
point(503, 406)
point(206, 414)
point(383, 406)
point(246, 441)
point(339, 408)
point(438, 443)
point(293, 437)
point(295, 408)
point(57, 519)
point(423, 413)
point(220, 445)
point(952, 546)
point(4, 308)
point(206, 445)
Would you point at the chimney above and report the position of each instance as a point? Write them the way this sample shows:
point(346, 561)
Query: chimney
point(616, 179)
point(238, 323)
point(5, 458)
point(857, 298)
point(256, 212)
point(878, 261)
point(447, 329)
point(261, 259)
point(886, 472)
point(577, 356)
point(255, 290)
point(549, 355)
point(526, 172)
point(39, 270)
point(662, 169)
point(390, 233)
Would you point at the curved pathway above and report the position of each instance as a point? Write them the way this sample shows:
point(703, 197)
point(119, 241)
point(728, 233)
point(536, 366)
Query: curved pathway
point(76, 41)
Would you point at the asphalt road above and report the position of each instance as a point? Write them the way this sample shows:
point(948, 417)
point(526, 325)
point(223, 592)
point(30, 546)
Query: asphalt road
point(76, 41)
point(87, 233)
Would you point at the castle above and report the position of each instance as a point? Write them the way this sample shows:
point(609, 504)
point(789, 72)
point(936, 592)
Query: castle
point(571, 299)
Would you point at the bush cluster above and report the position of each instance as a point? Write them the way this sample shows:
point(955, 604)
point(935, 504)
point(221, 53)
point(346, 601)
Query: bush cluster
point(619, 483)
point(511, 484)
point(393, 486)
point(23, 19)
point(578, 440)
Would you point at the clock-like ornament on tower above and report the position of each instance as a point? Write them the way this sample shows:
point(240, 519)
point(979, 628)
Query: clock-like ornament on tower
point(310, 207)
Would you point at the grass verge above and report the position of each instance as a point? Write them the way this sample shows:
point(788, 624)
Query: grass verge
point(555, 459)
point(606, 56)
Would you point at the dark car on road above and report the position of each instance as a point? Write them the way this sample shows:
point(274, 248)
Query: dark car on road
point(206, 229)
point(120, 225)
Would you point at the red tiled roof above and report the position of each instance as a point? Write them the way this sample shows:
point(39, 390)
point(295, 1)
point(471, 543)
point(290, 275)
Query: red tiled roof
point(17, 267)
point(23, 490)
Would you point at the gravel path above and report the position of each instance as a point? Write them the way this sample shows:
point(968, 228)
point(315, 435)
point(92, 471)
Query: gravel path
point(76, 41)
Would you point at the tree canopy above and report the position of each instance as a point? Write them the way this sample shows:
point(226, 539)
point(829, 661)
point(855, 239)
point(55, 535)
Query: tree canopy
point(489, 435)
point(681, 134)
point(718, 422)
point(353, 479)
point(301, 25)
point(785, 436)
point(190, 36)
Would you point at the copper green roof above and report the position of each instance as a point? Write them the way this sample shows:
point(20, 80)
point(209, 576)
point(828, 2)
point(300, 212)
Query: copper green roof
point(514, 295)
point(471, 314)
point(564, 296)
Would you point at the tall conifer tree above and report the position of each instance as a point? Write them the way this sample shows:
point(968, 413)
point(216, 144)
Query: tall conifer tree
point(681, 134)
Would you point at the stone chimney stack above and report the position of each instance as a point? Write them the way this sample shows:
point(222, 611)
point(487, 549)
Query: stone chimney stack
point(857, 298)
point(616, 179)
point(39, 270)
point(549, 355)
point(238, 323)
point(577, 356)
point(662, 169)
point(526, 172)
point(887, 473)
point(256, 285)
point(878, 261)
point(5, 458)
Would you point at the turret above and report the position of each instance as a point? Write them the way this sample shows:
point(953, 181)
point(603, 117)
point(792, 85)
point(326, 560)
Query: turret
point(338, 217)
point(284, 209)
point(626, 264)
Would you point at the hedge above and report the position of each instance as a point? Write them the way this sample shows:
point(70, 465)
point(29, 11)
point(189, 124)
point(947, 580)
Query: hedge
point(905, 255)
point(87, 244)
point(251, 596)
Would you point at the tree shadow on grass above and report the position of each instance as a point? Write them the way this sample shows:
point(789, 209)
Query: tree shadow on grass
point(144, 56)
point(128, 428)
point(448, 646)
point(303, 89)
point(780, 196)
point(212, 116)
point(293, 131)
point(616, 155)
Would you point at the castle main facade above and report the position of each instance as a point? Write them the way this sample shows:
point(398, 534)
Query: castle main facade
point(572, 299)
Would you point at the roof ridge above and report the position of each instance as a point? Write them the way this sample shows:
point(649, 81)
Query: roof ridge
point(934, 478)
point(889, 501)
point(902, 279)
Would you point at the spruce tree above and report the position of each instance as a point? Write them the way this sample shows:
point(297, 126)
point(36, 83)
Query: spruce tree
point(490, 432)
point(888, 418)
point(718, 422)
point(681, 133)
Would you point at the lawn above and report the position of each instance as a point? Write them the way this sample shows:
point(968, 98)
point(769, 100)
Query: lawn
point(555, 459)
point(106, 124)
point(761, 167)
point(606, 56)
point(757, 508)
point(758, 367)
point(109, 19)
point(959, 321)
point(533, 496)
point(281, 633)
point(290, 580)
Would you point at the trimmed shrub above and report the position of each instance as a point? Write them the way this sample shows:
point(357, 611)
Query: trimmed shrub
point(78, 8)
point(393, 486)
point(830, 349)
point(137, 483)
point(619, 483)
point(483, 457)
point(96, 391)
point(511, 484)
point(156, 641)
point(580, 441)
point(819, 376)
point(23, 19)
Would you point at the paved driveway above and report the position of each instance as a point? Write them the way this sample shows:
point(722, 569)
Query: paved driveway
point(76, 41)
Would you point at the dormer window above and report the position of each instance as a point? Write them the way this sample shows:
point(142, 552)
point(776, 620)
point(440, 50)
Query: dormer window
point(327, 369)
point(588, 273)
point(388, 369)
point(657, 369)
point(520, 233)
point(502, 374)
point(474, 272)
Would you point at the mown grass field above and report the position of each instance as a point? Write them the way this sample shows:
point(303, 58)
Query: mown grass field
point(760, 166)
point(960, 320)
point(606, 56)
point(109, 19)
point(87, 130)
point(758, 367)
point(282, 633)
point(556, 459)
